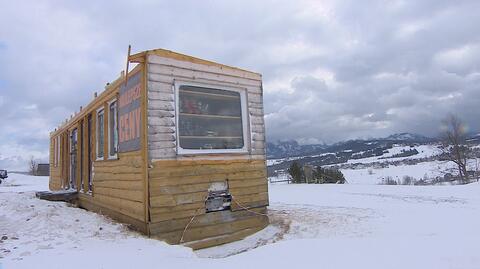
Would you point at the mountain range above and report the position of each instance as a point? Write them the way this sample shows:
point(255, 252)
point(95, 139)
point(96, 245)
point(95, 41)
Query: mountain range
point(291, 148)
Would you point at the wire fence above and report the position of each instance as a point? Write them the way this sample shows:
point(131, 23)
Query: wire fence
point(281, 178)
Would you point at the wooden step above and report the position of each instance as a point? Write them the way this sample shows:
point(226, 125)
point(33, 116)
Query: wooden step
point(224, 239)
point(64, 196)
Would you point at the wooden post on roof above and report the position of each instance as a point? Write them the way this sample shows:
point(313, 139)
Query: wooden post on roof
point(128, 61)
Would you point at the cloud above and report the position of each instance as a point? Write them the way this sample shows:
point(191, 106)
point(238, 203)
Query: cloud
point(332, 70)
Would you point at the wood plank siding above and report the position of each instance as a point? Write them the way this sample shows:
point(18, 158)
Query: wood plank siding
point(178, 184)
point(178, 189)
point(162, 73)
point(55, 182)
point(118, 184)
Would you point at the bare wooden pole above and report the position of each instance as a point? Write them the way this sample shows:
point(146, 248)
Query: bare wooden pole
point(128, 61)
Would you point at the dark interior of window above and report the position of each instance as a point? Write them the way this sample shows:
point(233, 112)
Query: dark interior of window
point(100, 134)
point(209, 118)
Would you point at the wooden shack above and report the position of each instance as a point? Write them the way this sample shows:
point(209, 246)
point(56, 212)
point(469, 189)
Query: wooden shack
point(43, 169)
point(175, 148)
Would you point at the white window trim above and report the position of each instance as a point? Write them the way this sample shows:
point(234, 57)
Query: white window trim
point(99, 111)
point(112, 157)
point(245, 119)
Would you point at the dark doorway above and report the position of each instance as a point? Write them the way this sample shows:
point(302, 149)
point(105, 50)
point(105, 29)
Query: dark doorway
point(73, 158)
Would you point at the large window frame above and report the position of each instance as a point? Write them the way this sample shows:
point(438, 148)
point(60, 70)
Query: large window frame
point(115, 127)
point(244, 115)
point(100, 111)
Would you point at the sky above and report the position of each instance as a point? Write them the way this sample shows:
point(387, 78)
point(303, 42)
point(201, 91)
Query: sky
point(332, 70)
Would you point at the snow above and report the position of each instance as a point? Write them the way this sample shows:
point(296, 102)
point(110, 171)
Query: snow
point(321, 226)
point(274, 161)
point(22, 183)
point(278, 161)
point(374, 175)
point(424, 151)
point(38, 229)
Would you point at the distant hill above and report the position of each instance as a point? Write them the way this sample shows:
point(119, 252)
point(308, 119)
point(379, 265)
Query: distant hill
point(409, 137)
point(291, 148)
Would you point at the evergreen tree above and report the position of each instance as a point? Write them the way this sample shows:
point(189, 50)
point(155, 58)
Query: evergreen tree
point(296, 172)
point(328, 175)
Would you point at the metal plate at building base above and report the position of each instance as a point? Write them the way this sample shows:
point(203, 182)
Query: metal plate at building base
point(218, 198)
point(218, 201)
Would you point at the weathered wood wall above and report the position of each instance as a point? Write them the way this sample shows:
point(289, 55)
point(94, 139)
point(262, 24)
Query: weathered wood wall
point(178, 184)
point(162, 72)
point(59, 173)
point(118, 189)
point(119, 183)
point(55, 182)
point(178, 189)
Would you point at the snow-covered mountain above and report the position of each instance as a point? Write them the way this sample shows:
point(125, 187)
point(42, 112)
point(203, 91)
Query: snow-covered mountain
point(291, 148)
point(372, 161)
point(408, 137)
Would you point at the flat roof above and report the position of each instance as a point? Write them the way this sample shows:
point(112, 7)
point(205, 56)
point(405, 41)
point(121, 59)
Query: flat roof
point(139, 58)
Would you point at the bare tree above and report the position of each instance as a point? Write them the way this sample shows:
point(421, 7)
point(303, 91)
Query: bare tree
point(32, 166)
point(454, 142)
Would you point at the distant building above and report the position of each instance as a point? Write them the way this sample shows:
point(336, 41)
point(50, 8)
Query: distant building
point(43, 169)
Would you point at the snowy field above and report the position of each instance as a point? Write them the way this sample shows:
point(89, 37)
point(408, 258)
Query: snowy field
point(372, 173)
point(423, 152)
point(320, 226)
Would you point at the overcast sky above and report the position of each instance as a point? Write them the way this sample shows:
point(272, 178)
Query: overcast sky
point(332, 70)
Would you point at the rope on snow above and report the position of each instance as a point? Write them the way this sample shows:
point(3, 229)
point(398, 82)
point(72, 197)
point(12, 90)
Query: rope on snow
point(198, 210)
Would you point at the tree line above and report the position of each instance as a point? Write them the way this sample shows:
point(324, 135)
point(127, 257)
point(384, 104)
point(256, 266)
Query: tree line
point(317, 175)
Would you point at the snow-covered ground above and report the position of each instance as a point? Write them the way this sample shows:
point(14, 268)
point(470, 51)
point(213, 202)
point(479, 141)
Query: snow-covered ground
point(424, 151)
point(321, 226)
point(372, 175)
point(374, 170)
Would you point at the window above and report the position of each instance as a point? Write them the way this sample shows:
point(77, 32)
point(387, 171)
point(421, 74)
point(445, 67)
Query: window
point(57, 150)
point(89, 153)
point(100, 133)
point(112, 130)
point(55, 154)
point(210, 120)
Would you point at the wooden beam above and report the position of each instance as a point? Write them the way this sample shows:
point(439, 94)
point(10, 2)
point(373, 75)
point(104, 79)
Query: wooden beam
point(144, 144)
point(128, 61)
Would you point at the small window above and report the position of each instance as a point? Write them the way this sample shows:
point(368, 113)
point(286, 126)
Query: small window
point(112, 130)
point(210, 120)
point(100, 133)
point(89, 152)
point(57, 150)
point(54, 141)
